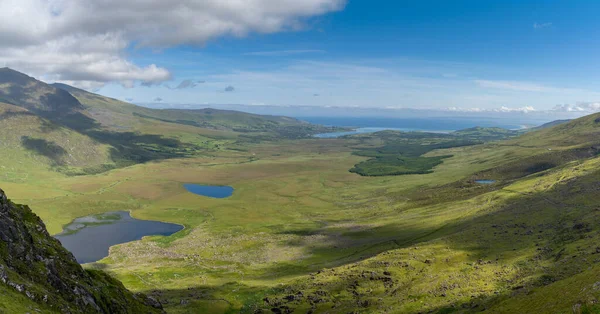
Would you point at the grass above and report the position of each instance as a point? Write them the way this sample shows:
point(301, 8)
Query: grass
point(14, 302)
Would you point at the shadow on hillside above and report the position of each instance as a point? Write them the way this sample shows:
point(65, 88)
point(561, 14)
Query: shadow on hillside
point(21, 89)
point(11, 114)
point(548, 232)
point(127, 147)
point(45, 148)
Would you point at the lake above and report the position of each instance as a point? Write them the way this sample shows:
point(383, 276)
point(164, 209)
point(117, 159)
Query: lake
point(213, 191)
point(485, 181)
point(90, 237)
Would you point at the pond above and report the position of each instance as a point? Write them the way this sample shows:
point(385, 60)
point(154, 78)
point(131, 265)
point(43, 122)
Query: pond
point(485, 181)
point(213, 191)
point(90, 237)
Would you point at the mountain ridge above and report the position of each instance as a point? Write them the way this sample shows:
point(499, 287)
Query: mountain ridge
point(22, 90)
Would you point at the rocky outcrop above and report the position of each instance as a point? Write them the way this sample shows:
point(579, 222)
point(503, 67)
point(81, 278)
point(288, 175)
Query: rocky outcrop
point(36, 265)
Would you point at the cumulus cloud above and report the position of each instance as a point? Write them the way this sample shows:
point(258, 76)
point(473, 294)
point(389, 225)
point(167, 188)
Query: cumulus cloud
point(158, 99)
point(229, 88)
point(85, 41)
point(578, 107)
point(503, 109)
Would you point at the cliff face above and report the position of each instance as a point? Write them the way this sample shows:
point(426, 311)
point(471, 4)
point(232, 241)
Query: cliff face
point(36, 265)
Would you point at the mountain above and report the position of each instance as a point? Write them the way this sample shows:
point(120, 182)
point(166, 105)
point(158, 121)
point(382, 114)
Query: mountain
point(76, 132)
point(67, 104)
point(21, 90)
point(581, 131)
point(107, 110)
point(42, 276)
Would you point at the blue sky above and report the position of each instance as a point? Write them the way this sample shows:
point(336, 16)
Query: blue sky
point(421, 54)
point(464, 55)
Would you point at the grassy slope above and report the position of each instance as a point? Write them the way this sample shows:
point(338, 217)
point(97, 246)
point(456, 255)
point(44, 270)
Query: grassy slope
point(21, 157)
point(14, 302)
point(528, 246)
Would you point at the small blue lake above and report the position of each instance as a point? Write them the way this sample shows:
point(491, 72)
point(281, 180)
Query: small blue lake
point(210, 190)
point(90, 237)
point(485, 181)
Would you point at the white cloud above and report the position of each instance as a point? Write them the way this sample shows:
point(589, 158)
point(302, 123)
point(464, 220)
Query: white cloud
point(84, 41)
point(525, 109)
point(578, 107)
point(504, 109)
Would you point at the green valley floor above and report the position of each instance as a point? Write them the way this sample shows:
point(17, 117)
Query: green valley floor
point(303, 234)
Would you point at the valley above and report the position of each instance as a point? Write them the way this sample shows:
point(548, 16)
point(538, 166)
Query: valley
point(394, 222)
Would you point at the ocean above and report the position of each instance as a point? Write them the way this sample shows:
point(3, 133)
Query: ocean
point(438, 124)
point(416, 124)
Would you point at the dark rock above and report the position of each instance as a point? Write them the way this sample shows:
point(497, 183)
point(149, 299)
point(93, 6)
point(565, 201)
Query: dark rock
point(290, 298)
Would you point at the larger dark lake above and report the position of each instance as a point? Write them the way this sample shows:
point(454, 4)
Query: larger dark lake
point(90, 237)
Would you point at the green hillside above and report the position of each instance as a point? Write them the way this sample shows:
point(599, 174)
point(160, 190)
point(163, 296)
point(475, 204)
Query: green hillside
point(550, 124)
point(32, 145)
